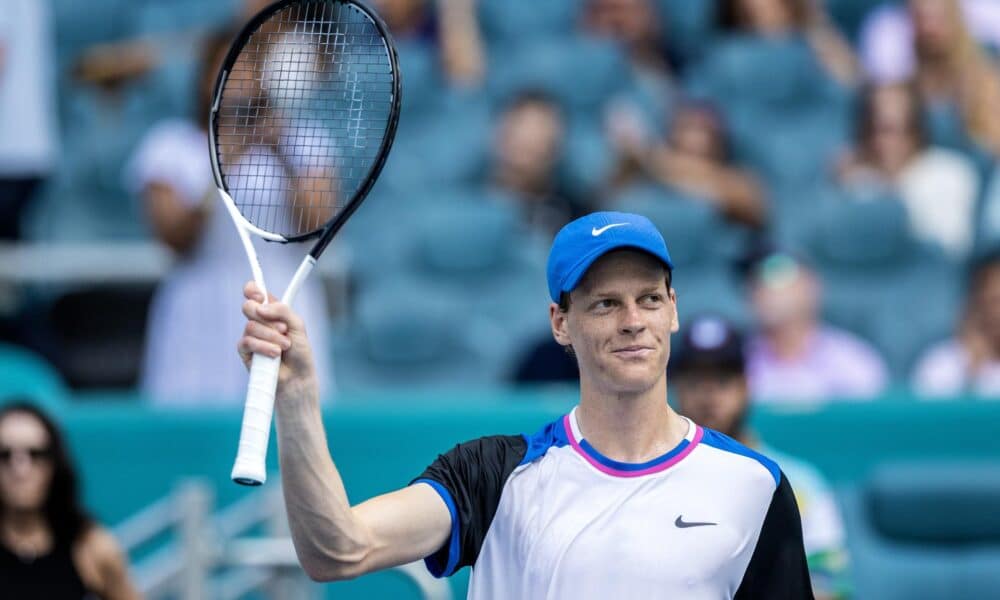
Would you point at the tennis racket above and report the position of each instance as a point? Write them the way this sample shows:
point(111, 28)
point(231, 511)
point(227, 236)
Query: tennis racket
point(304, 114)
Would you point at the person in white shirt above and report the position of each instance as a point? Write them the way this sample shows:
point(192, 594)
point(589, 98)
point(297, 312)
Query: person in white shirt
point(28, 128)
point(969, 362)
point(188, 356)
point(939, 187)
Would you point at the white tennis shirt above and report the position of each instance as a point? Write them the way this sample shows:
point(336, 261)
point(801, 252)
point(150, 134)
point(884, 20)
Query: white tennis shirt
point(547, 516)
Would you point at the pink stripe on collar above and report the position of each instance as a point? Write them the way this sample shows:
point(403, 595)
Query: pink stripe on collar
point(657, 468)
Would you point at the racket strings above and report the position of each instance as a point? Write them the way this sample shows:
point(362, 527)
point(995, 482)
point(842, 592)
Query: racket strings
point(303, 114)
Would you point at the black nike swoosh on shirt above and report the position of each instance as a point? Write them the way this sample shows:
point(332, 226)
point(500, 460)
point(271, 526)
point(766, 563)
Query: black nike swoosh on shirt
point(682, 524)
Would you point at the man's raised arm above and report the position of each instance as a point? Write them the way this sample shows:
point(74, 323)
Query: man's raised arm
point(333, 540)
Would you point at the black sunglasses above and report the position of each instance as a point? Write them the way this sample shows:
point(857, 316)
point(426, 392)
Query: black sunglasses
point(35, 454)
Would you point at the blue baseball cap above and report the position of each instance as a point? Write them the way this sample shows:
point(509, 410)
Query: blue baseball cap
point(581, 242)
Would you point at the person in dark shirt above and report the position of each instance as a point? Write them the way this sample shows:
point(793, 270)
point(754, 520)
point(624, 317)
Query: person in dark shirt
point(49, 547)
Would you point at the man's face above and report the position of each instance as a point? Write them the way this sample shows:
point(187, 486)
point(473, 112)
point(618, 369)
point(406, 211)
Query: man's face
point(712, 397)
point(619, 323)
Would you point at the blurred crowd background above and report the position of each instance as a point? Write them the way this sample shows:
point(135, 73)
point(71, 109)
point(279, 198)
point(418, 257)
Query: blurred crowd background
point(823, 173)
point(826, 174)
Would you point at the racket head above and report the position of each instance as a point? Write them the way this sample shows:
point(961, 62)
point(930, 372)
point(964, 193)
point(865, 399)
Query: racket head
point(305, 111)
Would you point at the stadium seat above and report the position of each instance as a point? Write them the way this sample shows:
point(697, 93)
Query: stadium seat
point(515, 21)
point(879, 280)
point(689, 25)
point(79, 24)
point(406, 334)
point(588, 157)
point(28, 376)
point(581, 73)
point(782, 73)
point(182, 16)
point(443, 148)
point(418, 62)
point(466, 251)
point(927, 530)
point(785, 116)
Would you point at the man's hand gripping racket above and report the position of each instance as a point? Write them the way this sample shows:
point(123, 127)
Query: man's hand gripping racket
point(304, 114)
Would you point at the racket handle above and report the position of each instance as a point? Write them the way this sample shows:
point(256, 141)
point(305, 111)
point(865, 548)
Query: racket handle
point(250, 468)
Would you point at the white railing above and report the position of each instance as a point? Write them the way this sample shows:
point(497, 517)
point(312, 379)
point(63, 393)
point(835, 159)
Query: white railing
point(216, 556)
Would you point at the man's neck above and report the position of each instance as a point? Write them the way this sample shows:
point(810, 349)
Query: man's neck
point(631, 428)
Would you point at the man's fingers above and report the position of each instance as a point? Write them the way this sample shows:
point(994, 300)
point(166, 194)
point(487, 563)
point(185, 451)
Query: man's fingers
point(261, 313)
point(251, 345)
point(251, 292)
point(282, 313)
point(267, 333)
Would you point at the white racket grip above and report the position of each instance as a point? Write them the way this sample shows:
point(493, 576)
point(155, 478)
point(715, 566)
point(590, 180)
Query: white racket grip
point(250, 467)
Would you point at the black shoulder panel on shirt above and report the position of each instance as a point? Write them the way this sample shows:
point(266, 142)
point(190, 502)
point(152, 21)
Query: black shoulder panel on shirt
point(474, 473)
point(778, 569)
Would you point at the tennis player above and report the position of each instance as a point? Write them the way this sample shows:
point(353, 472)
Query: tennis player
point(620, 498)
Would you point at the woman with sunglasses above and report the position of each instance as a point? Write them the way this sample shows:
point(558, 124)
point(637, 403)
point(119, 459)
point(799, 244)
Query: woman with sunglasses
point(49, 547)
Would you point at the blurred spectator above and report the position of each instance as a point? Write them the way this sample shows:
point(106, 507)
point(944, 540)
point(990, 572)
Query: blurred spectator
point(968, 363)
point(196, 309)
point(709, 385)
point(527, 150)
point(935, 43)
point(452, 26)
point(939, 187)
point(795, 357)
point(638, 26)
point(27, 107)
point(694, 159)
point(777, 18)
point(49, 547)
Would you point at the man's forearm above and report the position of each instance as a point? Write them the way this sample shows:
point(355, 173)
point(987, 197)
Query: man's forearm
point(329, 540)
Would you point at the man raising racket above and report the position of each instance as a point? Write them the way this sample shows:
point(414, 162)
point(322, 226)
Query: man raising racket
point(622, 497)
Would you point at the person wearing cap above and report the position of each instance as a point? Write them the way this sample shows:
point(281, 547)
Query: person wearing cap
point(621, 497)
point(709, 385)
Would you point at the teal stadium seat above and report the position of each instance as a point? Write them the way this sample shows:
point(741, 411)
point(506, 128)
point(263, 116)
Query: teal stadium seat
point(927, 530)
point(28, 375)
point(418, 62)
point(405, 334)
point(701, 245)
point(86, 199)
point(468, 256)
point(442, 148)
point(581, 73)
point(588, 157)
point(879, 280)
point(689, 25)
point(518, 20)
point(786, 117)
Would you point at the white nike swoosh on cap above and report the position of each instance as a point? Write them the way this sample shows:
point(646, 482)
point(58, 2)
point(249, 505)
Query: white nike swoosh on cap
point(596, 232)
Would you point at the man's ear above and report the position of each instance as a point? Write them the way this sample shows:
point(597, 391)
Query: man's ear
point(675, 324)
point(558, 319)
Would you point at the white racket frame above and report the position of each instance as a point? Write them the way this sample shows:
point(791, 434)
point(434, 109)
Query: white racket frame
point(251, 454)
